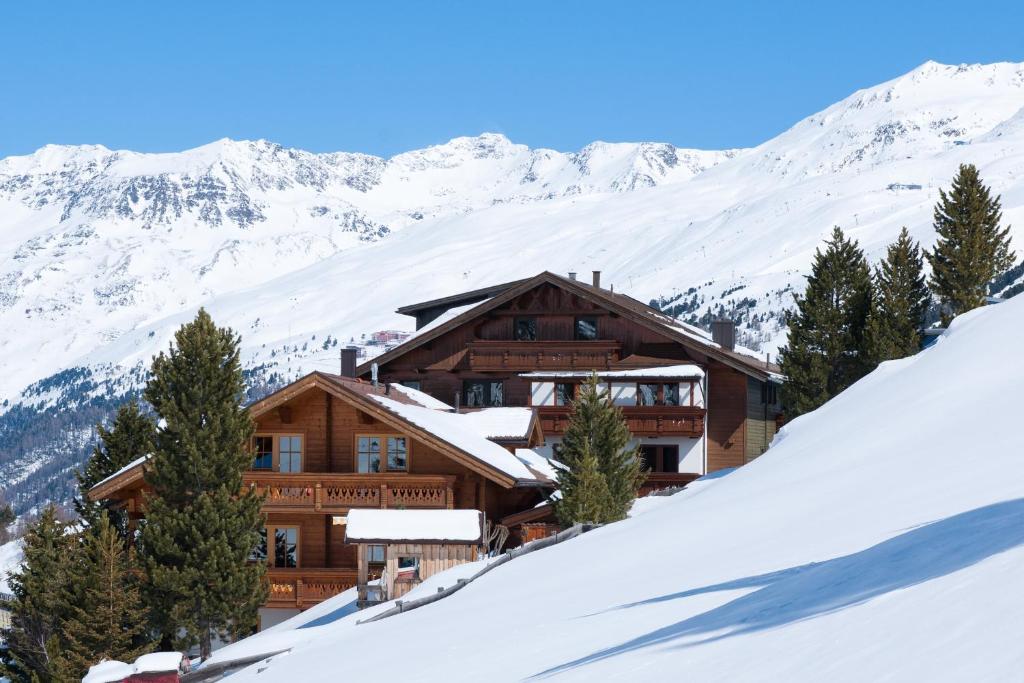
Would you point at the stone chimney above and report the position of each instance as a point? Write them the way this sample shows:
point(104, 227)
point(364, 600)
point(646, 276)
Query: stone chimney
point(348, 362)
point(723, 333)
point(597, 278)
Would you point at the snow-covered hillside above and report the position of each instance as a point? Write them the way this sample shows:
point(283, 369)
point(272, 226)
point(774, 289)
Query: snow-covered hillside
point(103, 254)
point(880, 538)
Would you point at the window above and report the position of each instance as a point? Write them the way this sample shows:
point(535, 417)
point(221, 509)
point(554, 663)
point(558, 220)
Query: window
point(411, 383)
point(478, 393)
point(397, 460)
point(264, 458)
point(586, 328)
point(564, 393)
point(286, 547)
point(769, 393)
point(289, 453)
point(524, 329)
point(657, 394)
point(408, 568)
point(375, 554)
point(279, 452)
point(370, 448)
point(283, 553)
point(368, 454)
point(660, 458)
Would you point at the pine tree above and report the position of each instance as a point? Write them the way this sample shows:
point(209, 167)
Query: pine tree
point(597, 428)
point(201, 524)
point(900, 302)
point(826, 349)
point(971, 249)
point(106, 618)
point(584, 491)
point(34, 639)
point(7, 518)
point(129, 438)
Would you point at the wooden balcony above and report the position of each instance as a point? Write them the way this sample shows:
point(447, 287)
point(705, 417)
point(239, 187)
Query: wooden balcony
point(301, 588)
point(524, 356)
point(685, 421)
point(337, 492)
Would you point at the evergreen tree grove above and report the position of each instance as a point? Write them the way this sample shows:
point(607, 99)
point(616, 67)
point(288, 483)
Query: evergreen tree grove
point(971, 248)
point(201, 525)
point(900, 302)
point(129, 438)
point(106, 618)
point(34, 639)
point(826, 350)
point(597, 437)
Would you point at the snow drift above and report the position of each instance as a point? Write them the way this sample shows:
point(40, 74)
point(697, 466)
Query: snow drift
point(880, 538)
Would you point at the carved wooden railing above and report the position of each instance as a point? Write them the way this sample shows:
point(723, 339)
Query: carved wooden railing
point(304, 587)
point(496, 356)
point(642, 420)
point(337, 492)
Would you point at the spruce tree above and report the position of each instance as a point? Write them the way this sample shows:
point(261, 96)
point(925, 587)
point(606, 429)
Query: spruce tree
point(971, 249)
point(826, 348)
point(584, 491)
point(34, 640)
point(201, 525)
point(597, 428)
point(106, 618)
point(129, 438)
point(900, 302)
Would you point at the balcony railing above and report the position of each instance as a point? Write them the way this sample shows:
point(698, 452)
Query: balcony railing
point(656, 481)
point(642, 420)
point(304, 587)
point(337, 492)
point(521, 356)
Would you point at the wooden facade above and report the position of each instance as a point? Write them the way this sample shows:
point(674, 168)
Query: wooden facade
point(306, 507)
point(534, 325)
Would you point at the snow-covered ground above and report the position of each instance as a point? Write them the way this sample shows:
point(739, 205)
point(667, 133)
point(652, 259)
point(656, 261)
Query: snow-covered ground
point(11, 557)
point(880, 538)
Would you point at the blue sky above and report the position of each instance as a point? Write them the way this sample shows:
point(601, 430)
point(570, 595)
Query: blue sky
point(384, 77)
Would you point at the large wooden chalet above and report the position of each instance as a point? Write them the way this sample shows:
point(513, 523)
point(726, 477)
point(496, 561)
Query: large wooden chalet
point(468, 413)
point(695, 402)
point(327, 444)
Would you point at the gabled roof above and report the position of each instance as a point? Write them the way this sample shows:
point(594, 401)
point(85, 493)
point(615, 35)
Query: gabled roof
point(458, 299)
point(622, 304)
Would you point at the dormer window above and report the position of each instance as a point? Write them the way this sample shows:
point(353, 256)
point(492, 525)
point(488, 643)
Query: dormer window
point(586, 328)
point(525, 328)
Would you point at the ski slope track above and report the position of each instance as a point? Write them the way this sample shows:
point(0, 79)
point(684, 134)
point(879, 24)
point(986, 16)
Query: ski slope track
point(103, 254)
point(881, 538)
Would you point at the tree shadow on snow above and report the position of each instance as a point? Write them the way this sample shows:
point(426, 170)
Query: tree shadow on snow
point(924, 553)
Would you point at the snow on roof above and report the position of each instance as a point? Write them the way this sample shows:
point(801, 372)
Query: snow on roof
point(499, 423)
point(367, 524)
point(421, 397)
point(668, 371)
point(538, 463)
point(451, 428)
point(108, 671)
point(158, 661)
point(450, 314)
point(133, 464)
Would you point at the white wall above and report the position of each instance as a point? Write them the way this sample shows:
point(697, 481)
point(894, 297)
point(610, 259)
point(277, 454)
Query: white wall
point(691, 451)
point(542, 393)
point(623, 394)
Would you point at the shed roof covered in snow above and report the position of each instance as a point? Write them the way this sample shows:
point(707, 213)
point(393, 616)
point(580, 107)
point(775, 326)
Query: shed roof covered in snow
point(367, 525)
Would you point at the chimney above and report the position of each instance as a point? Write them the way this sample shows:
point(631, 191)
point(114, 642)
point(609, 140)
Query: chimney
point(723, 333)
point(348, 362)
point(597, 278)
point(572, 275)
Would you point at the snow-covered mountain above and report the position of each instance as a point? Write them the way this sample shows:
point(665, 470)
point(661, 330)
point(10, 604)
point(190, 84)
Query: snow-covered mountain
point(860, 547)
point(103, 254)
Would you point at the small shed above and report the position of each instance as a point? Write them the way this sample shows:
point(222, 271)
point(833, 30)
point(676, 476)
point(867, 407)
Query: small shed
point(399, 549)
point(155, 667)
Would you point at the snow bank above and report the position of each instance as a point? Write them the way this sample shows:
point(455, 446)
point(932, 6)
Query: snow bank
point(156, 662)
point(881, 538)
point(108, 671)
point(364, 525)
point(498, 423)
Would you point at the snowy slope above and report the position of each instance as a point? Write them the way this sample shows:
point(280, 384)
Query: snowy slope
point(103, 254)
point(881, 538)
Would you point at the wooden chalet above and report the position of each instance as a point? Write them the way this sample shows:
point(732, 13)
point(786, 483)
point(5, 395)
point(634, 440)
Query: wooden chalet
point(327, 444)
point(694, 402)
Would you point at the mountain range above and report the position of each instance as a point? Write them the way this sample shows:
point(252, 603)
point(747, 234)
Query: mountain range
point(103, 254)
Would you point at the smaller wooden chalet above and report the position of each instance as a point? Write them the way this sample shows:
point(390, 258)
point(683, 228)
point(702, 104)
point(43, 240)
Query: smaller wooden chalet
point(399, 549)
point(326, 445)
